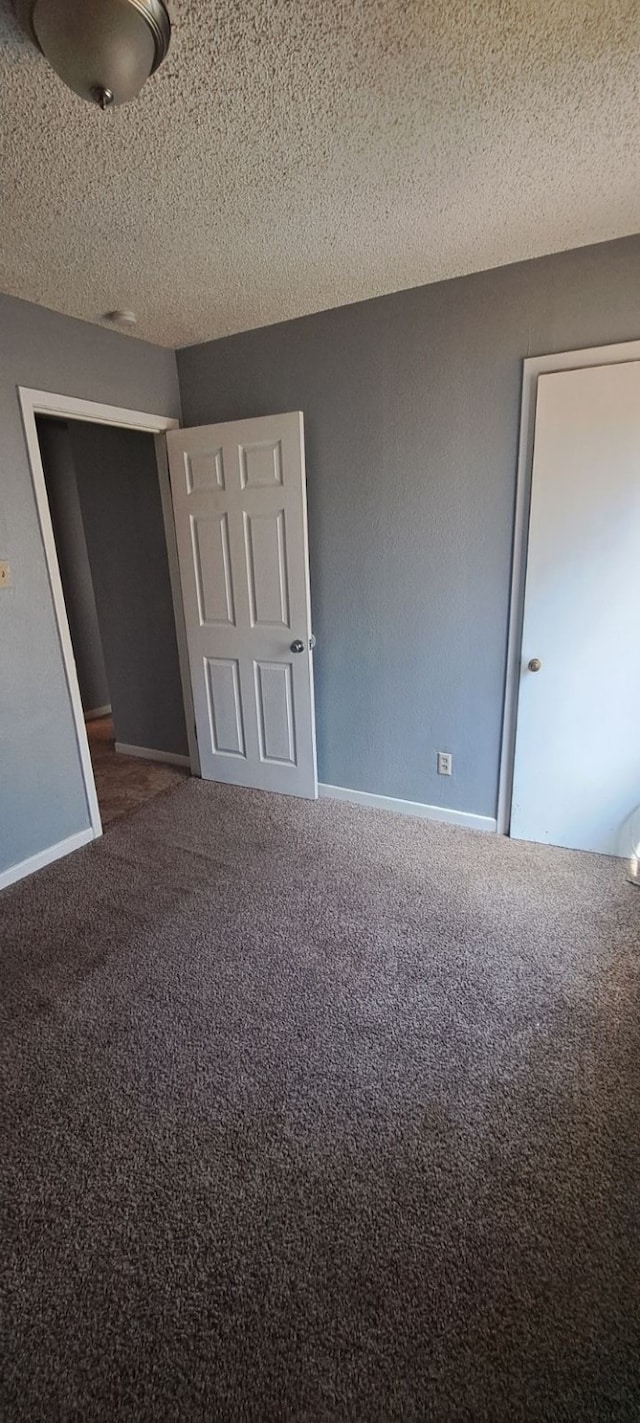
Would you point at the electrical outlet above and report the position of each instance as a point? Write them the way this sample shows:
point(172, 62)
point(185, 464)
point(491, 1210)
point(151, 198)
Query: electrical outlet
point(445, 763)
point(5, 574)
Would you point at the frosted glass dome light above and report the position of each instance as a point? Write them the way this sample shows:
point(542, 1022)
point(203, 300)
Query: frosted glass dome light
point(102, 49)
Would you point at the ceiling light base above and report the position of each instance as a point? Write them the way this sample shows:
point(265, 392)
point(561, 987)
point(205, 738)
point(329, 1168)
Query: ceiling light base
point(120, 318)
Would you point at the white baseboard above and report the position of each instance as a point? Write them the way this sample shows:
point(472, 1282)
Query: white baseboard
point(97, 712)
point(146, 753)
point(45, 857)
point(411, 807)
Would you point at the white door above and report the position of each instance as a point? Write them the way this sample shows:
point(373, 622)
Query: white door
point(241, 525)
point(577, 764)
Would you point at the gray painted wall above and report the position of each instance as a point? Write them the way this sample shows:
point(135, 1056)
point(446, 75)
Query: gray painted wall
point(41, 787)
point(73, 561)
point(411, 406)
point(119, 493)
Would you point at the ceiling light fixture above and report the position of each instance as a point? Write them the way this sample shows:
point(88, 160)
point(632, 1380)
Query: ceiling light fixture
point(102, 49)
point(120, 318)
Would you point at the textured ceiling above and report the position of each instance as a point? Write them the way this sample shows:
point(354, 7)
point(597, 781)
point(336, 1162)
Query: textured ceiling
point(293, 155)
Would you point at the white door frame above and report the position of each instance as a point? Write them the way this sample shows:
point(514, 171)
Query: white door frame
point(42, 402)
point(533, 367)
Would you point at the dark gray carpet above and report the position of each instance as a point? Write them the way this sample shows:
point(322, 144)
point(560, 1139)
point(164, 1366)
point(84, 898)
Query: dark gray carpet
point(312, 1112)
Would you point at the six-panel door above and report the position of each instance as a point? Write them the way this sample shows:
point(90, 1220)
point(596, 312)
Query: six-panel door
point(240, 511)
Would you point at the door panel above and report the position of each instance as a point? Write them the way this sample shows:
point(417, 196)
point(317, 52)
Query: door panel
point(274, 699)
point(212, 569)
point(225, 706)
point(267, 573)
point(241, 526)
point(577, 764)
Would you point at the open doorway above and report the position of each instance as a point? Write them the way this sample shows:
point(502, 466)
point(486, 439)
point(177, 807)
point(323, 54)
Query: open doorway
point(124, 782)
point(106, 514)
point(108, 533)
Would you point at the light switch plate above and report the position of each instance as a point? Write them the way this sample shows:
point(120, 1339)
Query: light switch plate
point(5, 574)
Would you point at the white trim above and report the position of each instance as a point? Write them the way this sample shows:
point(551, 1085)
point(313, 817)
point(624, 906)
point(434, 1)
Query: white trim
point(97, 712)
point(409, 807)
point(162, 460)
point(31, 405)
point(43, 402)
point(45, 857)
point(533, 367)
point(147, 753)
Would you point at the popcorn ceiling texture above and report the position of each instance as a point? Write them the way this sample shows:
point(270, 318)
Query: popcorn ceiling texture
point(290, 157)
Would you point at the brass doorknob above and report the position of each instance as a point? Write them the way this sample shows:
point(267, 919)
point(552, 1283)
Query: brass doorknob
point(535, 664)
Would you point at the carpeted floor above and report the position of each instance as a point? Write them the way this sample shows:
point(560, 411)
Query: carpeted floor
point(311, 1113)
point(124, 783)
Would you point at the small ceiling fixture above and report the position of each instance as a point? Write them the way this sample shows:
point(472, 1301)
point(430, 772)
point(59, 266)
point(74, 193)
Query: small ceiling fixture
point(120, 318)
point(103, 49)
